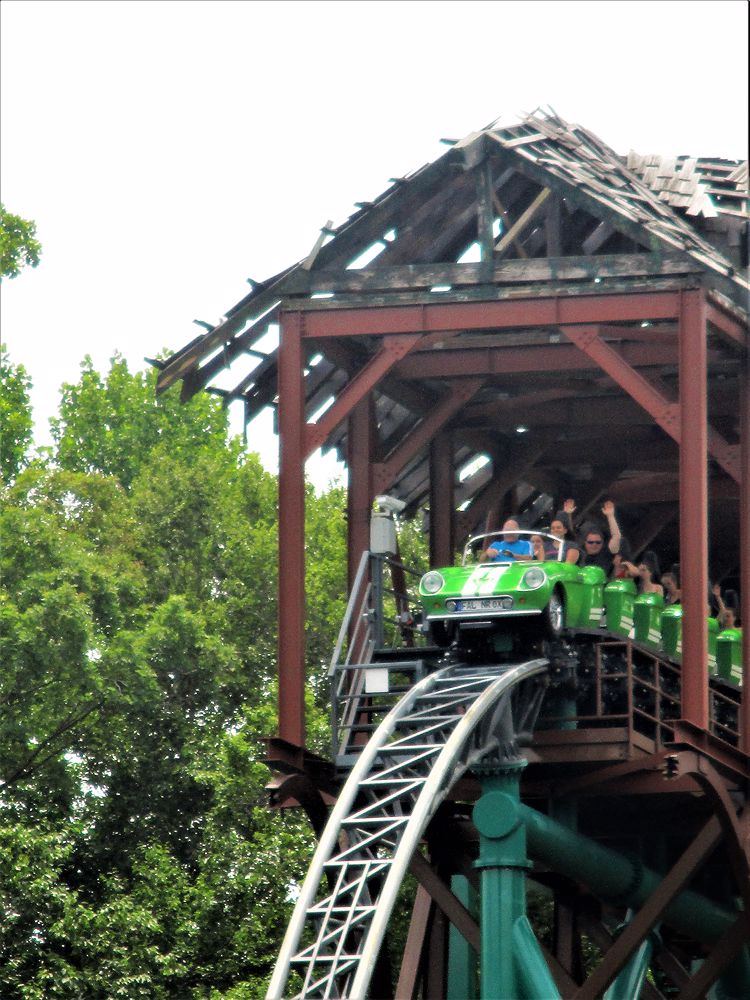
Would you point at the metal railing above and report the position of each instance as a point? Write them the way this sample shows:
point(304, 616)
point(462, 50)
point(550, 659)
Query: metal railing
point(640, 691)
point(381, 619)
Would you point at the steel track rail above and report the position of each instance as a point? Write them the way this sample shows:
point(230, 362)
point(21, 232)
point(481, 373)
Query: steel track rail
point(446, 723)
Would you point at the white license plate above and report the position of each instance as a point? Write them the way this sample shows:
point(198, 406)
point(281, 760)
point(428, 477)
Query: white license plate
point(482, 604)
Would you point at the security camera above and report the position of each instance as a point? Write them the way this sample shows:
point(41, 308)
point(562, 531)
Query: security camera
point(392, 505)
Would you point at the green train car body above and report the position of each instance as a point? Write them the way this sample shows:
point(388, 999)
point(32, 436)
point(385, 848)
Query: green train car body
point(499, 596)
point(729, 654)
point(561, 594)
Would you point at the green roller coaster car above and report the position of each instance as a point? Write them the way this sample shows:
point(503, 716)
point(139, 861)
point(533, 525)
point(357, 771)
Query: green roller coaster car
point(496, 596)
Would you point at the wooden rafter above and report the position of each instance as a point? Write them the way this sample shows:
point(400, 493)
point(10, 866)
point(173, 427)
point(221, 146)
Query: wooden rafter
point(522, 222)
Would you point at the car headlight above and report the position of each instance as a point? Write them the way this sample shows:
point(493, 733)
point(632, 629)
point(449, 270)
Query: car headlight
point(534, 578)
point(431, 582)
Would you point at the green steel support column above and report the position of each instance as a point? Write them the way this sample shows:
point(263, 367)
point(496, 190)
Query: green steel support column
point(613, 876)
point(512, 966)
point(462, 959)
point(629, 982)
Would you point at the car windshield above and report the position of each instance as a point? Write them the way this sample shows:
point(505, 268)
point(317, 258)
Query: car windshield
point(478, 543)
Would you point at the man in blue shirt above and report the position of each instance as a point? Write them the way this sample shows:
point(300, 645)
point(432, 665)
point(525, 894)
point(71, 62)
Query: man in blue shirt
point(509, 547)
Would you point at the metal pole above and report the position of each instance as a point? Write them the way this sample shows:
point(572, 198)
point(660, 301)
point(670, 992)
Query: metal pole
point(694, 507)
point(291, 612)
point(745, 550)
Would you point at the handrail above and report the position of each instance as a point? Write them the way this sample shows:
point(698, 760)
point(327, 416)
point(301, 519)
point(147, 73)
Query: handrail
point(344, 630)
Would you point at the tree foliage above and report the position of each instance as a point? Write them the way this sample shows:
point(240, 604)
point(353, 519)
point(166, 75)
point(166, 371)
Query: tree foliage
point(137, 635)
point(19, 246)
point(16, 423)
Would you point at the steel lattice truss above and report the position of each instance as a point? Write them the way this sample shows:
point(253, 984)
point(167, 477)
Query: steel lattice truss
point(448, 722)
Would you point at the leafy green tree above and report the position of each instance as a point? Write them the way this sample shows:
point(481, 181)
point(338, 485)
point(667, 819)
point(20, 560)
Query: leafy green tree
point(16, 423)
point(111, 425)
point(18, 244)
point(138, 857)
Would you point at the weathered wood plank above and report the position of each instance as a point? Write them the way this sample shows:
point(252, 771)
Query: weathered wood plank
point(502, 211)
point(522, 221)
point(485, 216)
point(311, 257)
point(416, 276)
point(553, 226)
point(352, 237)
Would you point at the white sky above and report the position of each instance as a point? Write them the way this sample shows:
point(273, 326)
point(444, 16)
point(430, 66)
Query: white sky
point(167, 151)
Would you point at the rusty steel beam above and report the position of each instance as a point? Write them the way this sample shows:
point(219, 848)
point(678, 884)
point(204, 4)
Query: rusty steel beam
point(744, 547)
point(734, 331)
point(521, 360)
point(441, 501)
point(408, 980)
point(392, 350)
point(604, 940)
point(581, 409)
point(714, 785)
point(386, 472)
point(291, 639)
point(694, 507)
point(457, 316)
point(651, 911)
point(444, 898)
point(360, 449)
point(720, 957)
point(436, 962)
point(664, 412)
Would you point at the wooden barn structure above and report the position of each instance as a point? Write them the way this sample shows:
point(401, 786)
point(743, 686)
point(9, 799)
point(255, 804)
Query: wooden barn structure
point(529, 317)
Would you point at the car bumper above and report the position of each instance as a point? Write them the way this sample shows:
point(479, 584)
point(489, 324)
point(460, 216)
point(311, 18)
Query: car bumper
point(461, 616)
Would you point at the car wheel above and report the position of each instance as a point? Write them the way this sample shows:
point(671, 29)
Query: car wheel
point(554, 616)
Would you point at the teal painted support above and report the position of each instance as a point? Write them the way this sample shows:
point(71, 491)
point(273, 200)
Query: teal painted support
point(462, 959)
point(615, 877)
point(568, 709)
point(629, 982)
point(532, 971)
point(512, 966)
point(734, 982)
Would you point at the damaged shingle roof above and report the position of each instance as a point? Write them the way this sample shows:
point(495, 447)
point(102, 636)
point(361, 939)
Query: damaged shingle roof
point(614, 205)
point(641, 191)
point(711, 188)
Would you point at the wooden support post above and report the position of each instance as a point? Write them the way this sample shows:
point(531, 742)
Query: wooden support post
point(291, 641)
point(553, 226)
point(693, 410)
point(485, 218)
point(441, 500)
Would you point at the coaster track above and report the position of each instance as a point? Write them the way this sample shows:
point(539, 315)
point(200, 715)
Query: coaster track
point(444, 725)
